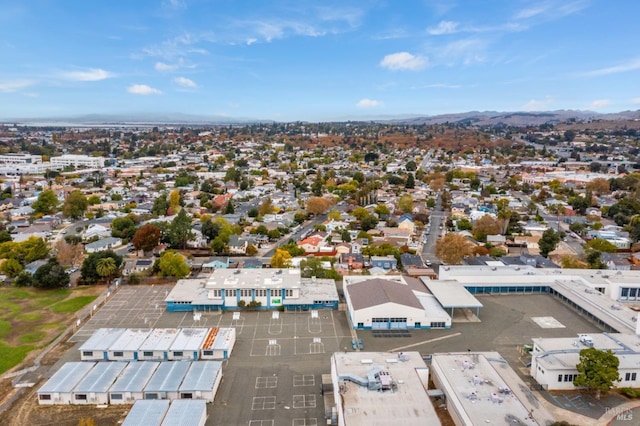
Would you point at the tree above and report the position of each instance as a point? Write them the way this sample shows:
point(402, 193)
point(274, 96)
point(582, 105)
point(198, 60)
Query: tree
point(281, 259)
point(318, 205)
point(484, 226)
point(452, 248)
point(595, 167)
point(368, 222)
point(50, 275)
point(88, 273)
point(75, 205)
point(464, 224)
point(218, 245)
point(599, 186)
point(11, 268)
point(251, 250)
point(548, 242)
point(147, 238)
point(571, 262)
point(597, 370)
point(601, 245)
point(23, 280)
point(174, 200)
point(405, 203)
point(46, 203)
point(160, 205)
point(106, 268)
point(173, 264)
point(265, 207)
point(123, 227)
point(381, 210)
point(334, 215)
point(93, 200)
point(594, 260)
point(180, 230)
point(410, 183)
point(5, 236)
point(69, 254)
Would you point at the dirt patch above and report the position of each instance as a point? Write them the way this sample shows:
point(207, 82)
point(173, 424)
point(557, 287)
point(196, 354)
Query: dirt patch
point(27, 412)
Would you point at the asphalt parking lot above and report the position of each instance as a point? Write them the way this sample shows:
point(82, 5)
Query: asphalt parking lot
point(274, 373)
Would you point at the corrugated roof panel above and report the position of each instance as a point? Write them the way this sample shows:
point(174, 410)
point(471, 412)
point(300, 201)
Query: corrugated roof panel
point(67, 377)
point(135, 377)
point(201, 376)
point(168, 376)
point(147, 412)
point(185, 412)
point(101, 377)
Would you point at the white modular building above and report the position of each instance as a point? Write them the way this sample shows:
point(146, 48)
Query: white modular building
point(77, 160)
point(94, 387)
point(185, 412)
point(187, 344)
point(96, 348)
point(58, 389)
point(147, 412)
point(125, 348)
point(156, 346)
point(129, 387)
point(480, 388)
point(381, 388)
point(553, 361)
point(218, 344)
point(396, 302)
point(166, 380)
point(202, 381)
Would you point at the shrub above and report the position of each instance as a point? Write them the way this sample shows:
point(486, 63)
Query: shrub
point(630, 392)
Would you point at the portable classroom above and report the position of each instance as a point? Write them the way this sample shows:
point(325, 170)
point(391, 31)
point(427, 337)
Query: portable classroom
point(129, 387)
point(218, 344)
point(57, 390)
point(149, 413)
point(97, 346)
point(94, 386)
point(156, 346)
point(186, 412)
point(166, 381)
point(201, 381)
point(187, 344)
point(125, 348)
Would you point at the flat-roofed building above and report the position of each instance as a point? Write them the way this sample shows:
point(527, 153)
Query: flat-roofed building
point(554, 360)
point(480, 388)
point(94, 387)
point(126, 347)
point(147, 412)
point(186, 412)
point(96, 348)
point(187, 344)
point(218, 344)
point(20, 158)
point(392, 303)
point(381, 389)
point(129, 386)
point(58, 389)
point(230, 289)
point(201, 381)
point(78, 160)
point(166, 380)
point(157, 344)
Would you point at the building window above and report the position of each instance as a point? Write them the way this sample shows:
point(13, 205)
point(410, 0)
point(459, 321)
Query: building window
point(437, 324)
point(230, 293)
point(81, 396)
point(147, 353)
point(178, 353)
point(87, 353)
point(288, 293)
point(275, 293)
point(559, 377)
point(207, 353)
point(45, 397)
point(630, 377)
point(118, 354)
point(116, 396)
point(217, 293)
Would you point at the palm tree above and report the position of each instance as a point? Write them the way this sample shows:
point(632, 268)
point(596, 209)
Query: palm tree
point(106, 267)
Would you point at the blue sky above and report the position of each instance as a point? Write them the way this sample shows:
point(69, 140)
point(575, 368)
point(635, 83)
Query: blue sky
point(316, 60)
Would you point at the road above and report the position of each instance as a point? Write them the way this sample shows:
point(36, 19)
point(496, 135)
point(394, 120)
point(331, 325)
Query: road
point(435, 230)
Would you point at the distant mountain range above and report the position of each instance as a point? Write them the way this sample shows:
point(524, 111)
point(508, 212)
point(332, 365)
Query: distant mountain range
point(472, 117)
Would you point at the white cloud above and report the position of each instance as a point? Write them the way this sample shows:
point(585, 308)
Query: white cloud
point(467, 51)
point(598, 104)
point(185, 82)
point(437, 86)
point(14, 85)
point(92, 74)
point(161, 66)
point(635, 100)
point(250, 41)
point(551, 9)
point(403, 61)
point(444, 27)
point(538, 104)
point(368, 103)
point(629, 66)
point(143, 89)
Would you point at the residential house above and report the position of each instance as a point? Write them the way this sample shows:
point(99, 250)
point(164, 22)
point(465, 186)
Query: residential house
point(237, 244)
point(136, 266)
point(615, 262)
point(96, 230)
point(384, 262)
point(352, 260)
point(407, 223)
point(103, 244)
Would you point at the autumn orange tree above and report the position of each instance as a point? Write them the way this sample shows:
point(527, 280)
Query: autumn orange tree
point(484, 226)
point(452, 248)
point(319, 205)
point(146, 238)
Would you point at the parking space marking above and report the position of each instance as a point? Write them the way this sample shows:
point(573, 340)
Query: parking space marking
point(263, 403)
point(266, 382)
point(275, 325)
point(314, 325)
point(304, 401)
point(316, 347)
point(304, 422)
point(273, 348)
point(304, 380)
point(260, 422)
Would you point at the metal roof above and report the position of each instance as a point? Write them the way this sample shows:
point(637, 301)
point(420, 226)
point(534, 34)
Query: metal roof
point(185, 412)
point(378, 291)
point(130, 340)
point(101, 377)
point(201, 376)
point(102, 339)
point(452, 294)
point(168, 376)
point(135, 376)
point(189, 339)
point(65, 379)
point(223, 338)
point(147, 412)
point(160, 339)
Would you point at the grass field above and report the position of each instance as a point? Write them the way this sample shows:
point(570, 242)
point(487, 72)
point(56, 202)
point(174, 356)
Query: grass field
point(30, 318)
